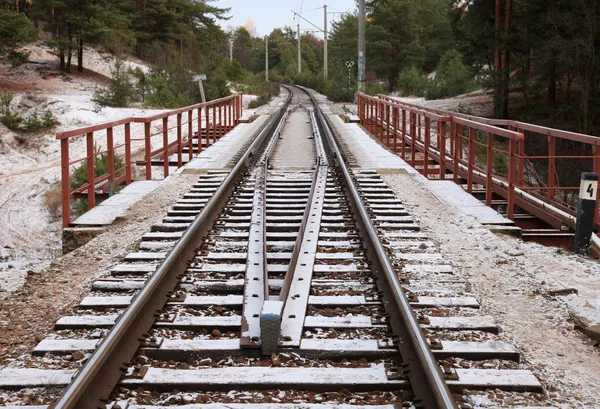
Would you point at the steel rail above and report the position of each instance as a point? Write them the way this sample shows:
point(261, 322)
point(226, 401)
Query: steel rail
point(423, 370)
point(97, 379)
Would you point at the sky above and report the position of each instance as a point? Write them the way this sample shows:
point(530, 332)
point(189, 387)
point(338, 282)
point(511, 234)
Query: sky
point(269, 14)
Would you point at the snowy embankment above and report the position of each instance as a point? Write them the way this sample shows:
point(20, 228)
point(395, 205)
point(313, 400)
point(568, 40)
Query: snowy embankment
point(30, 164)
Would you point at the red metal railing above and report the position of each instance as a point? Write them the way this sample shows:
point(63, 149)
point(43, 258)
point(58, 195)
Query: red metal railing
point(173, 130)
point(499, 154)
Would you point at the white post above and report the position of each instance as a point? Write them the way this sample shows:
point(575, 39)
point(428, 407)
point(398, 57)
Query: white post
point(230, 50)
point(325, 56)
point(267, 58)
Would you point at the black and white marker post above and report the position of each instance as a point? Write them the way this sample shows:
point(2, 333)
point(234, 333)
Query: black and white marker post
point(586, 209)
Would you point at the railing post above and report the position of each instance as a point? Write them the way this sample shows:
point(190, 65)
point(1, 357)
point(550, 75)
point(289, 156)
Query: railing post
point(91, 193)
point(403, 140)
point(427, 142)
point(148, 150)
point(551, 166)
point(457, 131)
point(512, 164)
point(206, 126)
point(214, 124)
point(489, 185)
point(413, 140)
point(521, 149)
point(220, 126)
point(128, 153)
point(165, 132)
point(372, 118)
point(471, 160)
point(441, 130)
point(388, 125)
point(111, 160)
point(230, 115)
point(396, 115)
point(179, 142)
point(66, 182)
point(190, 140)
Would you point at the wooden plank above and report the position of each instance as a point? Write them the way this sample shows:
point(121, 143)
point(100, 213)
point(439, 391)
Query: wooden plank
point(12, 378)
point(478, 350)
point(424, 302)
point(126, 269)
point(65, 346)
point(482, 323)
point(512, 380)
point(268, 377)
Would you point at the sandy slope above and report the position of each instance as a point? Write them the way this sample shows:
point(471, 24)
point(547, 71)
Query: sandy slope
point(30, 234)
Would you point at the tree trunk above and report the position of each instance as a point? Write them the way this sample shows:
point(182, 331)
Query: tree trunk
point(551, 99)
point(69, 48)
point(506, 61)
point(80, 54)
point(497, 67)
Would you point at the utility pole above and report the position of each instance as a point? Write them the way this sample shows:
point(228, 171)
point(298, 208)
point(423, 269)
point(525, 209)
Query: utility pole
point(231, 49)
point(361, 45)
point(325, 62)
point(267, 58)
point(299, 52)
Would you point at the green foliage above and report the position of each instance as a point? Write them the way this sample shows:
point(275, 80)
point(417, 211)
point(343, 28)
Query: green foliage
point(163, 94)
point(36, 123)
point(258, 102)
point(452, 77)
point(79, 177)
point(234, 71)
point(412, 82)
point(80, 173)
point(17, 123)
point(9, 119)
point(17, 58)
point(15, 29)
point(120, 91)
point(217, 86)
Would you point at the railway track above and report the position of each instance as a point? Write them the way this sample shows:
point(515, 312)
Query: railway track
point(277, 286)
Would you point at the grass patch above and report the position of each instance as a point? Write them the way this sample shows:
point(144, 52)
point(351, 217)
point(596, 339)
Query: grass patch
point(37, 122)
point(53, 200)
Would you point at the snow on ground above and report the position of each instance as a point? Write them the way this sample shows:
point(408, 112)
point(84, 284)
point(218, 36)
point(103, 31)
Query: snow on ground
point(31, 235)
point(511, 280)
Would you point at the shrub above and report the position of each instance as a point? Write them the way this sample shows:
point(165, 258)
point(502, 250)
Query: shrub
point(8, 118)
point(452, 77)
point(36, 123)
point(258, 102)
point(17, 123)
point(374, 88)
point(216, 86)
point(162, 95)
point(120, 91)
point(53, 200)
point(17, 58)
point(79, 177)
point(412, 82)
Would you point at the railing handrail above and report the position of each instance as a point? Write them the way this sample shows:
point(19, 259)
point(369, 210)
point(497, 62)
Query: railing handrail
point(226, 114)
point(93, 128)
point(518, 125)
